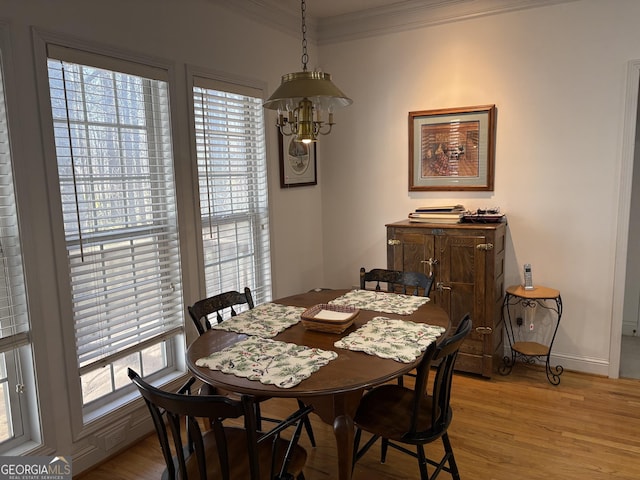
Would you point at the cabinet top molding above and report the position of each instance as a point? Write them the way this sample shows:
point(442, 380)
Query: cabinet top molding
point(469, 226)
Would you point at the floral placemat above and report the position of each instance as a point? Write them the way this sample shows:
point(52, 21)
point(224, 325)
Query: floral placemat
point(400, 340)
point(385, 302)
point(266, 320)
point(269, 361)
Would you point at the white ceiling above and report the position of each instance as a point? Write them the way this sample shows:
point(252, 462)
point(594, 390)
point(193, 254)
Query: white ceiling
point(330, 21)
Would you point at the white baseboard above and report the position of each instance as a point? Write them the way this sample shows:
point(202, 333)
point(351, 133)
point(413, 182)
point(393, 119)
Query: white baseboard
point(594, 366)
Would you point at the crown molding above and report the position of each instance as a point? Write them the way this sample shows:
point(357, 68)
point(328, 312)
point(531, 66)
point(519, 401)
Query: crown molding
point(396, 17)
point(414, 14)
point(272, 13)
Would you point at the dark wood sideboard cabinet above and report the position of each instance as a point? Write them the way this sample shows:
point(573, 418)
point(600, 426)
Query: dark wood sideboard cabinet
point(468, 262)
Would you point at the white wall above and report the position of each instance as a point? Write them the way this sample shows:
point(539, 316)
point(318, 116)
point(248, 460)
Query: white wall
point(557, 76)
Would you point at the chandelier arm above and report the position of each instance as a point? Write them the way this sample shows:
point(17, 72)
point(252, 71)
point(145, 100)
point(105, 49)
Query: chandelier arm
point(327, 131)
point(287, 132)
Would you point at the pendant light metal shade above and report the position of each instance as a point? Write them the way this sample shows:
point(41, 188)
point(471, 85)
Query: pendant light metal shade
point(314, 86)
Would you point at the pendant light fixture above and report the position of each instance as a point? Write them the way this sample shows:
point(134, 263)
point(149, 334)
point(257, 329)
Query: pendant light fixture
point(305, 99)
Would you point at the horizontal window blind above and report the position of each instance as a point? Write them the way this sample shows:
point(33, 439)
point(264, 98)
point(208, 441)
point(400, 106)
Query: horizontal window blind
point(14, 320)
point(115, 168)
point(232, 174)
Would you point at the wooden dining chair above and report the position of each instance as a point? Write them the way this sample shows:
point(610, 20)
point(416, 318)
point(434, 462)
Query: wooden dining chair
point(401, 416)
point(196, 445)
point(409, 283)
point(218, 308)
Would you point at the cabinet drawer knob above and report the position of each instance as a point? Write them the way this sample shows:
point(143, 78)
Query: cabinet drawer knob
point(393, 241)
point(485, 246)
point(484, 330)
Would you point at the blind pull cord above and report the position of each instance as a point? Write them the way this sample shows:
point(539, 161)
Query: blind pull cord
point(73, 163)
point(206, 165)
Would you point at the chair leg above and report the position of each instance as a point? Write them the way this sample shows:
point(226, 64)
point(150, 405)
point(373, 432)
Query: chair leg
point(383, 450)
point(292, 443)
point(358, 453)
point(422, 463)
point(307, 425)
point(356, 445)
point(452, 461)
point(258, 416)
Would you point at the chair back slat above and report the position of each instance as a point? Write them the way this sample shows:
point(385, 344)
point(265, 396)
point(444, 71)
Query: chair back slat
point(445, 353)
point(172, 408)
point(402, 416)
point(220, 305)
point(204, 448)
point(409, 283)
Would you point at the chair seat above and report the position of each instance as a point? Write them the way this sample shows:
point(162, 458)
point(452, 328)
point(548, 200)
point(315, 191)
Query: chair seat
point(387, 410)
point(238, 464)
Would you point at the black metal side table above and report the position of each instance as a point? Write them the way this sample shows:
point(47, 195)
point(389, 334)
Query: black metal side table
point(544, 297)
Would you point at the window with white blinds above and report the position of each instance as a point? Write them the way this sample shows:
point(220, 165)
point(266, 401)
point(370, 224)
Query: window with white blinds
point(115, 167)
point(14, 319)
point(232, 174)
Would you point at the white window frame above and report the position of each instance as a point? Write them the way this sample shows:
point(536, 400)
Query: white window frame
point(254, 216)
point(16, 347)
point(97, 416)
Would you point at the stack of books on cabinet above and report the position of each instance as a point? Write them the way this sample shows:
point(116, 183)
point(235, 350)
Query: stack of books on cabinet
point(437, 214)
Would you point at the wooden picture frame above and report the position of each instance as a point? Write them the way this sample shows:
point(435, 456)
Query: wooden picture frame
point(452, 149)
point(297, 162)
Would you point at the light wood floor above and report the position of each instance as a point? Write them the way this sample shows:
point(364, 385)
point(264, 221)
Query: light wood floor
point(517, 427)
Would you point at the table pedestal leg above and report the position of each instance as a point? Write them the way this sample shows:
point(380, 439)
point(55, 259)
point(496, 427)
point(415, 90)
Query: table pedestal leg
point(338, 410)
point(344, 431)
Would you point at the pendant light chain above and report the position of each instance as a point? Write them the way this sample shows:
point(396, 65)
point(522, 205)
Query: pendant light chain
point(305, 57)
point(304, 99)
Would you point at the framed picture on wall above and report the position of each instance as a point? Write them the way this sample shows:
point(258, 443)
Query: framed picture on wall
point(297, 162)
point(452, 149)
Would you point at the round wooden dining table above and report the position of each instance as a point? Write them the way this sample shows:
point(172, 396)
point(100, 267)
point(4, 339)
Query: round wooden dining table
point(334, 391)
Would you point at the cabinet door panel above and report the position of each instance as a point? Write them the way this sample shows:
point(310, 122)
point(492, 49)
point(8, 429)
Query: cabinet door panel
point(462, 302)
point(412, 251)
point(461, 259)
point(462, 270)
